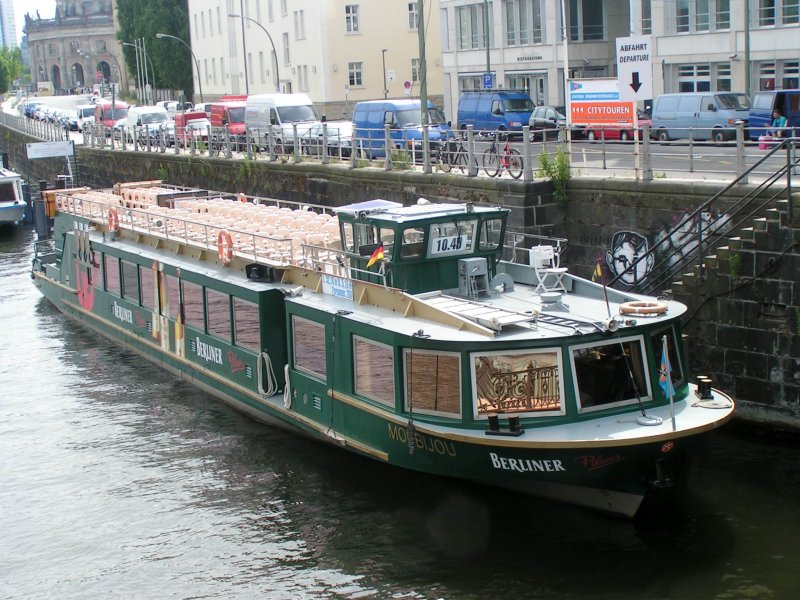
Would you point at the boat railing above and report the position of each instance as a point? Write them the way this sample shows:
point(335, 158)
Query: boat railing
point(517, 246)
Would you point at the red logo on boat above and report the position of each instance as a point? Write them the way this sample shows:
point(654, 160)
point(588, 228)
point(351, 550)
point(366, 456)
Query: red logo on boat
point(85, 289)
point(236, 364)
point(667, 446)
point(593, 463)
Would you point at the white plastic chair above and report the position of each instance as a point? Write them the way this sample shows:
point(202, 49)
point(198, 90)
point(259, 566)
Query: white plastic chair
point(550, 277)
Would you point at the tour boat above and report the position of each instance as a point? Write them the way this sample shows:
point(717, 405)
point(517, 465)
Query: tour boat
point(428, 337)
point(12, 204)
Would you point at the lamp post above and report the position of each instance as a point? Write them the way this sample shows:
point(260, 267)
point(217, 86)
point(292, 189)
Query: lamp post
point(385, 90)
point(275, 52)
point(196, 62)
point(486, 33)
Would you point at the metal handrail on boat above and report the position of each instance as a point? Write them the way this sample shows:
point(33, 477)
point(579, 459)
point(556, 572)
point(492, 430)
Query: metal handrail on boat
point(517, 242)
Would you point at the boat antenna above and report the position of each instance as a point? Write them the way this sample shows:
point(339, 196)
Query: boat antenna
point(600, 274)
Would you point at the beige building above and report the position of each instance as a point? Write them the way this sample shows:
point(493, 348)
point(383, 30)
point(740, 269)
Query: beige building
point(336, 51)
point(77, 48)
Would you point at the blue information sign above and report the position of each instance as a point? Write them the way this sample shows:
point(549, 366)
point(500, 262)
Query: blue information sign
point(487, 81)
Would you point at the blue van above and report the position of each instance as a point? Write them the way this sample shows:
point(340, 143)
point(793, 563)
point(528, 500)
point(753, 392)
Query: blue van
point(707, 115)
point(494, 110)
point(404, 119)
point(786, 101)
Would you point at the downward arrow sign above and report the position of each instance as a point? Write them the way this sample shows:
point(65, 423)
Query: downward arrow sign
point(635, 84)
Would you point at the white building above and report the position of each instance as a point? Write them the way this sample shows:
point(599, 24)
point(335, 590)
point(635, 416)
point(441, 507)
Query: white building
point(8, 26)
point(337, 51)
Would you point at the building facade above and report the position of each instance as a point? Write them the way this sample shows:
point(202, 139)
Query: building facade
point(336, 51)
point(77, 48)
point(8, 25)
point(698, 45)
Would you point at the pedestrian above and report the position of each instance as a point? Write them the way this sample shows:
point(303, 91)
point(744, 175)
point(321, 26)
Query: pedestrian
point(778, 123)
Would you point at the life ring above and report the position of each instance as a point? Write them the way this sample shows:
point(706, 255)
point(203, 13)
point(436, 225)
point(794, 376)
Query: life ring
point(642, 307)
point(113, 219)
point(242, 197)
point(225, 247)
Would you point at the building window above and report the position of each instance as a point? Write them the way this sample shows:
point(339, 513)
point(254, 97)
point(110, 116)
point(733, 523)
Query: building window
point(374, 370)
point(696, 15)
point(694, 78)
point(270, 11)
point(523, 19)
point(471, 31)
point(778, 12)
point(766, 12)
point(470, 83)
point(218, 307)
point(414, 70)
point(261, 68)
point(351, 18)
point(791, 12)
point(355, 76)
point(308, 346)
point(766, 76)
point(302, 78)
point(702, 16)
point(51, 49)
point(299, 25)
point(413, 17)
point(433, 382)
point(219, 21)
point(586, 20)
point(284, 10)
point(286, 58)
point(791, 75)
point(722, 14)
point(724, 77)
point(203, 23)
point(647, 17)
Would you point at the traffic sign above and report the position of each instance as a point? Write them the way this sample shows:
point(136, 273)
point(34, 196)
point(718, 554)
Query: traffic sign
point(635, 67)
point(487, 81)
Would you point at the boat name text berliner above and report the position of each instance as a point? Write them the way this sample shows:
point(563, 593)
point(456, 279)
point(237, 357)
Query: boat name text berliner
point(123, 314)
point(208, 352)
point(518, 464)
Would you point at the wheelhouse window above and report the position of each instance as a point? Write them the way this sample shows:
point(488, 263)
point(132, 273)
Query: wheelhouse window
point(130, 281)
point(451, 238)
point(218, 309)
point(518, 382)
point(192, 305)
point(491, 231)
point(433, 382)
point(374, 370)
point(246, 324)
point(308, 346)
point(610, 374)
point(412, 242)
point(111, 264)
point(658, 341)
point(147, 277)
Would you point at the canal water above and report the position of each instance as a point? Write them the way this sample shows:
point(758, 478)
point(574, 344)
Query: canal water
point(117, 481)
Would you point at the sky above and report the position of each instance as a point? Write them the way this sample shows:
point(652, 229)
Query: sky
point(46, 8)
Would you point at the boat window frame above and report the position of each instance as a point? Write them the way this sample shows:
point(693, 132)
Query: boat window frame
point(133, 286)
point(539, 414)
point(238, 304)
point(483, 244)
point(293, 353)
point(412, 250)
point(392, 402)
point(439, 413)
point(453, 247)
point(149, 301)
point(117, 290)
point(201, 326)
point(208, 314)
point(648, 391)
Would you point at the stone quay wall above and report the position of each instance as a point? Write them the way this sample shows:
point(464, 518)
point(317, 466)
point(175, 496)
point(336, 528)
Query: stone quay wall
point(743, 320)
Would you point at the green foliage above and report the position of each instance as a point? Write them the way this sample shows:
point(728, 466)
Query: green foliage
point(557, 171)
point(735, 264)
point(401, 158)
point(10, 67)
point(163, 172)
point(172, 61)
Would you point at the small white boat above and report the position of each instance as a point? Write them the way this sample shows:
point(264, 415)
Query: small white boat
point(12, 205)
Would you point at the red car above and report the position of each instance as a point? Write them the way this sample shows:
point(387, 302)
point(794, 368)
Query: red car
point(616, 131)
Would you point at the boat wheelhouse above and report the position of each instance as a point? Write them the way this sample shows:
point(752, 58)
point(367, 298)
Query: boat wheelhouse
point(427, 337)
point(12, 204)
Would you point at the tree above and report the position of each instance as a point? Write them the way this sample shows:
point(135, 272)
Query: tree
point(171, 61)
point(10, 67)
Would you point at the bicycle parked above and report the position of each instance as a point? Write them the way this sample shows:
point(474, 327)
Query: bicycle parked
point(453, 155)
point(496, 161)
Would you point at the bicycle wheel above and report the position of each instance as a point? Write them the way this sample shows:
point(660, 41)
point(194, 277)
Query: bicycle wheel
point(491, 163)
point(443, 161)
point(459, 159)
point(514, 163)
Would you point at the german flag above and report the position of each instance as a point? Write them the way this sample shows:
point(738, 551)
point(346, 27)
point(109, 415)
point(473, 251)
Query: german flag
point(376, 256)
point(597, 275)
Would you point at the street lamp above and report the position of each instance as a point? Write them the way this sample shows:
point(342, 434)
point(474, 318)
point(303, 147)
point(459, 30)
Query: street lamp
point(385, 90)
point(142, 77)
point(277, 75)
point(196, 63)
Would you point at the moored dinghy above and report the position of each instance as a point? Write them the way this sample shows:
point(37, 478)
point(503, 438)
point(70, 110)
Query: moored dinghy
point(414, 335)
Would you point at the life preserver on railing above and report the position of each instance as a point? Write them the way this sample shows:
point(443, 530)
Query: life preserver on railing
point(225, 247)
point(642, 307)
point(242, 197)
point(113, 219)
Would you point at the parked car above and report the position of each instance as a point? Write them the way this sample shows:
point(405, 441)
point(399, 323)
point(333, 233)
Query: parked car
point(764, 103)
point(545, 122)
point(192, 128)
point(703, 115)
point(616, 131)
point(340, 139)
point(496, 110)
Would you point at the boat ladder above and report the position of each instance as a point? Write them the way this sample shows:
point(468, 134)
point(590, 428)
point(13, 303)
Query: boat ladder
point(481, 313)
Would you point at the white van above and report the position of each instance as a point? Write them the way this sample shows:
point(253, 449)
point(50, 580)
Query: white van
point(147, 120)
point(703, 115)
point(280, 112)
point(85, 115)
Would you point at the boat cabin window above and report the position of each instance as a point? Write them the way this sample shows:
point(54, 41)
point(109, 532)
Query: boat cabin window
point(518, 382)
point(308, 352)
point(172, 294)
point(7, 191)
point(387, 239)
point(349, 239)
point(455, 237)
point(246, 324)
point(95, 274)
point(374, 370)
point(130, 281)
point(657, 341)
point(433, 382)
point(490, 234)
point(609, 374)
point(218, 313)
point(111, 264)
point(147, 277)
point(192, 305)
point(412, 242)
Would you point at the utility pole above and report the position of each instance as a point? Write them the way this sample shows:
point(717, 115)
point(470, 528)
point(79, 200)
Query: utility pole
point(486, 34)
point(244, 52)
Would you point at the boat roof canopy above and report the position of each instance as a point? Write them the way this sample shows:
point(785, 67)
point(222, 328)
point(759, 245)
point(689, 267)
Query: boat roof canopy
point(394, 212)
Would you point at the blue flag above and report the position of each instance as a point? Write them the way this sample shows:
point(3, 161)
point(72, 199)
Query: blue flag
point(665, 371)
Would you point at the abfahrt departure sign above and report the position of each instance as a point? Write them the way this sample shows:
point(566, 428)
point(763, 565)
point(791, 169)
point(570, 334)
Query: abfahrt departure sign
point(635, 67)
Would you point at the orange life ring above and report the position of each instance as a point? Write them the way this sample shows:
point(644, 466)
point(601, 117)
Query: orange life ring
point(642, 307)
point(113, 219)
point(242, 197)
point(225, 247)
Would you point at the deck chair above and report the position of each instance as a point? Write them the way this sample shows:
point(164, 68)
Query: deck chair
point(549, 276)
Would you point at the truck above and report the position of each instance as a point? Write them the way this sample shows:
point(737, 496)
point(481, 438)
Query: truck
point(230, 114)
point(281, 114)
